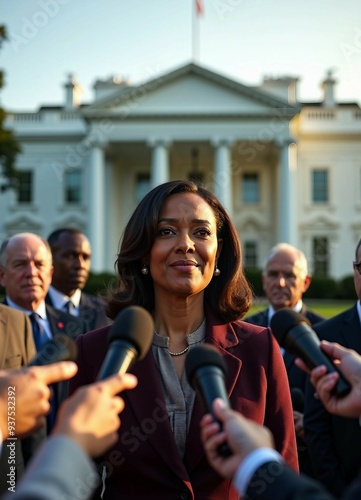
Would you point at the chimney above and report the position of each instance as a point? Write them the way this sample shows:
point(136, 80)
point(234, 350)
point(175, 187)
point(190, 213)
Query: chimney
point(284, 87)
point(105, 88)
point(73, 93)
point(328, 92)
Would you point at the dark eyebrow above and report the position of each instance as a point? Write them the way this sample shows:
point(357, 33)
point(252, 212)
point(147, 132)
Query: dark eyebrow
point(174, 221)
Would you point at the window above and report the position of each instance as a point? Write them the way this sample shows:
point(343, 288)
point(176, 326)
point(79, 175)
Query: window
point(250, 188)
point(250, 254)
point(142, 186)
point(25, 187)
point(320, 186)
point(72, 186)
point(321, 256)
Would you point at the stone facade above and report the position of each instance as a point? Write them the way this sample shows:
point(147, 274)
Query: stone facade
point(285, 170)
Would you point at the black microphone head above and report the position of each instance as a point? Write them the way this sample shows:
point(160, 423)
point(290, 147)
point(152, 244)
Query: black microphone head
point(283, 320)
point(203, 355)
point(133, 324)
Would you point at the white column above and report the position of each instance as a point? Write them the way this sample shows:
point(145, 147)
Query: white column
point(96, 204)
point(223, 173)
point(287, 219)
point(159, 170)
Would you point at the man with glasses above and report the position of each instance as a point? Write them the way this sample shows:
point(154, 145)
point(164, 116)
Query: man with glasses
point(285, 278)
point(334, 442)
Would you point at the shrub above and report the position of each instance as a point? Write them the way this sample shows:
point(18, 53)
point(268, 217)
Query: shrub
point(322, 288)
point(254, 277)
point(99, 283)
point(346, 288)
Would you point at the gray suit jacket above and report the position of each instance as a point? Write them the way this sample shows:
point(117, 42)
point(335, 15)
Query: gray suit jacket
point(59, 470)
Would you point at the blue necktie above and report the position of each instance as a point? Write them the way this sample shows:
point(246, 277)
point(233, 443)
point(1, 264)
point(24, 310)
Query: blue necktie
point(40, 337)
point(69, 307)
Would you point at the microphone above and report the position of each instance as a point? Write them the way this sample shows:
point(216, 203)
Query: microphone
point(298, 399)
point(293, 332)
point(59, 348)
point(206, 371)
point(129, 339)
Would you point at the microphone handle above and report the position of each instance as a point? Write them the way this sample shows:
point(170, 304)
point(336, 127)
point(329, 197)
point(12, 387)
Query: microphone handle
point(207, 392)
point(308, 348)
point(342, 387)
point(119, 358)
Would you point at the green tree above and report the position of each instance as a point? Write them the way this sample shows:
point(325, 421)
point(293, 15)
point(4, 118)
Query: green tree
point(9, 147)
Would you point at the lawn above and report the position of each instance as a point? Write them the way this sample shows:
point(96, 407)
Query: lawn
point(324, 307)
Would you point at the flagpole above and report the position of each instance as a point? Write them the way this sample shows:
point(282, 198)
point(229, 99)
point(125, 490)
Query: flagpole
point(197, 10)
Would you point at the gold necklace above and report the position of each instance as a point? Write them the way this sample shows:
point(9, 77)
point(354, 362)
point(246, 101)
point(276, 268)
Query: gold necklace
point(178, 353)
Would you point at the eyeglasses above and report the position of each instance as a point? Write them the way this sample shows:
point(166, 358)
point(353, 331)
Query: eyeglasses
point(289, 277)
point(357, 265)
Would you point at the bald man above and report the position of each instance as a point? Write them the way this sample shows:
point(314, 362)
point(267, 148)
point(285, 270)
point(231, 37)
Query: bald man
point(26, 271)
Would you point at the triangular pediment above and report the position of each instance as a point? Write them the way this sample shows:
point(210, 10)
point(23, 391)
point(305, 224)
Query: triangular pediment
point(72, 221)
point(254, 223)
point(21, 223)
point(319, 222)
point(189, 91)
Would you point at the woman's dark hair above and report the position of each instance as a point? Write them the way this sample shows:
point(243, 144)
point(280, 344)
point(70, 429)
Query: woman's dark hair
point(228, 295)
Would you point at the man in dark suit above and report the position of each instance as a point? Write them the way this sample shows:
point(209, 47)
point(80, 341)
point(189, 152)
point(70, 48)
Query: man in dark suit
point(17, 348)
point(71, 260)
point(257, 470)
point(25, 273)
point(334, 442)
point(285, 278)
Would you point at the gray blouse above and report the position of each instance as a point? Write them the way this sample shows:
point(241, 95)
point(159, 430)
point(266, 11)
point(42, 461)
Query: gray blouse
point(178, 394)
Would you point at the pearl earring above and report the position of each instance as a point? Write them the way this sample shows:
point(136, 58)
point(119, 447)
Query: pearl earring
point(145, 269)
point(217, 271)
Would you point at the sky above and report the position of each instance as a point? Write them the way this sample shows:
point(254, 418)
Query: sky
point(138, 40)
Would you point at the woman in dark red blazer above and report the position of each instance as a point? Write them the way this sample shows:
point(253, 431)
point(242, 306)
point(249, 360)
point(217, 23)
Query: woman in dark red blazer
point(180, 258)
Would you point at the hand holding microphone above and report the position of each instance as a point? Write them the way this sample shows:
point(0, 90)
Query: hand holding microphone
point(206, 372)
point(349, 363)
point(294, 334)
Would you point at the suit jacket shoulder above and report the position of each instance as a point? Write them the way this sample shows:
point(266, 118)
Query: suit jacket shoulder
point(276, 480)
point(45, 479)
point(92, 310)
point(64, 323)
point(17, 346)
point(312, 316)
point(260, 318)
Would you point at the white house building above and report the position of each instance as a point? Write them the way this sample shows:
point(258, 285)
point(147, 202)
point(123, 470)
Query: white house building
point(285, 170)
